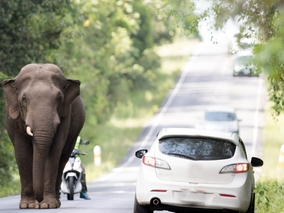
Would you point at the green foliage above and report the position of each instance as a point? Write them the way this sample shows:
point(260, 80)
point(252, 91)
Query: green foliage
point(269, 195)
point(30, 31)
point(269, 187)
point(184, 14)
point(115, 55)
point(142, 38)
point(7, 161)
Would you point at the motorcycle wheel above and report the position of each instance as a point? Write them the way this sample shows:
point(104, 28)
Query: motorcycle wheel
point(70, 183)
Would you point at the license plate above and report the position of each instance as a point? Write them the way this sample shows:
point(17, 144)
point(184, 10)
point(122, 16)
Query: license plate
point(192, 197)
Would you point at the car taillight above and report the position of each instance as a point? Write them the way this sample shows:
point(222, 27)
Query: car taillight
point(155, 162)
point(235, 168)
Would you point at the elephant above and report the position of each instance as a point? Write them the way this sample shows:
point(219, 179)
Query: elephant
point(44, 114)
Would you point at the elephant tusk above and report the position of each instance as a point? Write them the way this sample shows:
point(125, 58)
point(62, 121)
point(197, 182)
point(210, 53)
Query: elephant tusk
point(29, 132)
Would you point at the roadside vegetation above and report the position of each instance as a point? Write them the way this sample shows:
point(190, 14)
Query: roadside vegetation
point(269, 189)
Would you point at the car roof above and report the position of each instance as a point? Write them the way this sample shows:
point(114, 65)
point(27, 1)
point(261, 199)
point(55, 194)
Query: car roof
point(192, 132)
point(220, 109)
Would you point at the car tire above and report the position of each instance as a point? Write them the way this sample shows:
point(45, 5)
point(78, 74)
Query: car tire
point(251, 205)
point(139, 208)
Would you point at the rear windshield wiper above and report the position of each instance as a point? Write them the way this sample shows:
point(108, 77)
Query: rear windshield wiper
point(181, 155)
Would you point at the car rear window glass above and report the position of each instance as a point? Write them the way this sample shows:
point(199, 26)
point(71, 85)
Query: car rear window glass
point(197, 148)
point(220, 116)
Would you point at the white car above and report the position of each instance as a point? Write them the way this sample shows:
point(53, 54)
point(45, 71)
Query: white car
point(193, 169)
point(220, 118)
point(243, 64)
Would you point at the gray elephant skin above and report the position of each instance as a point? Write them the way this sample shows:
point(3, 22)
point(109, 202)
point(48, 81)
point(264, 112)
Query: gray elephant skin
point(44, 114)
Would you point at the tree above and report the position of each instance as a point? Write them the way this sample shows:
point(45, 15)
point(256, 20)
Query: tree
point(30, 31)
point(115, 54)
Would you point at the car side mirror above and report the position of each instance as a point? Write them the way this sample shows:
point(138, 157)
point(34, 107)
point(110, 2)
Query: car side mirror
point(256, 162)
point(140, 153)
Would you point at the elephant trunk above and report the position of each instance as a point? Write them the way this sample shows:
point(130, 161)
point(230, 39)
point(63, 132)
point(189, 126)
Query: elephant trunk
point(43, 130)
point(41, 147)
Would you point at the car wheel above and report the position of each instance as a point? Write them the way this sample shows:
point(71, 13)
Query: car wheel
point(139, 208)
point(251, 205)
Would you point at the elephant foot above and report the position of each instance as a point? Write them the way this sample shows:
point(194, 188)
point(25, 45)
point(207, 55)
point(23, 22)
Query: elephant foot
point(48, 204)
point(58, 197)
point(25, 204)
point(59, 202)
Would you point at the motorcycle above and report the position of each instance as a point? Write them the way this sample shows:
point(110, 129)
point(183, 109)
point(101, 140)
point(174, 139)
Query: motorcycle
point(71, 177)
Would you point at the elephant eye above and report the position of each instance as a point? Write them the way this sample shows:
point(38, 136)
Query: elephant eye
point(59, 98)
point(24, 101)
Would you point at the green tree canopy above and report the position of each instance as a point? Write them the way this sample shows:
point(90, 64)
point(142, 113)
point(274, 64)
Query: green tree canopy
point(30, 31)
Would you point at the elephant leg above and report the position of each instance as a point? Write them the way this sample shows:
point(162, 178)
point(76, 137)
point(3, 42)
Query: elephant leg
point(50, 201)
point(24, 158)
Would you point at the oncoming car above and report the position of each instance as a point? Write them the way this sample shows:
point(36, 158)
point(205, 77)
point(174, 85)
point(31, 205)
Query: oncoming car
point(190, 169)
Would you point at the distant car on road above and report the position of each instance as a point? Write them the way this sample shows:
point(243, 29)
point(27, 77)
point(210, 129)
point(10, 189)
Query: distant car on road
point(220, 118)
point(243, 65)
point(193, 169)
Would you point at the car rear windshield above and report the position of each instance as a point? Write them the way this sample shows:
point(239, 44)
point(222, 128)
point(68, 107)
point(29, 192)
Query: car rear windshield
point(220, 116)
point(197, 148)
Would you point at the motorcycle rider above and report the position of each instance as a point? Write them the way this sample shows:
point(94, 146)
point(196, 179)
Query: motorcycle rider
point(83, 193)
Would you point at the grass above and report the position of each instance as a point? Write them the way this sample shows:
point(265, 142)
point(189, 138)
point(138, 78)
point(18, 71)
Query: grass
point(11, 188)
point(269, 188)
point(273, 168)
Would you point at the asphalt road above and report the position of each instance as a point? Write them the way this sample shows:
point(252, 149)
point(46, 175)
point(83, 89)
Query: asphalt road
point(206, 79)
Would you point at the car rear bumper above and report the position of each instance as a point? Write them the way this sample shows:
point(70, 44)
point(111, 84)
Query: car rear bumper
point(234, 196)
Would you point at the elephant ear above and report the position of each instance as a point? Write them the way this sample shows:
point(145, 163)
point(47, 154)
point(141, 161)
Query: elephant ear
point(11, 97)
point(72, 91)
